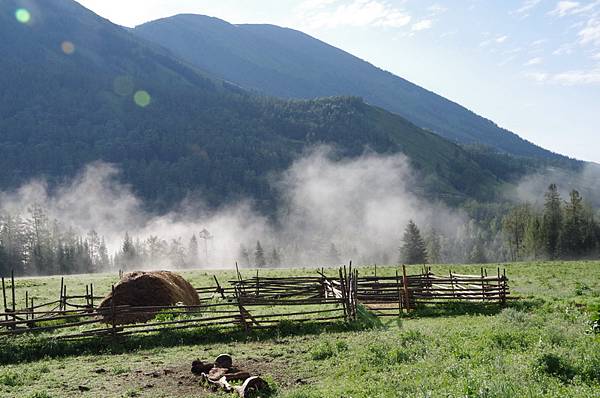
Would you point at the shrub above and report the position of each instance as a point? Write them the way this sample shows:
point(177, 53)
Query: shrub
point(322, 351)
point(553, 365)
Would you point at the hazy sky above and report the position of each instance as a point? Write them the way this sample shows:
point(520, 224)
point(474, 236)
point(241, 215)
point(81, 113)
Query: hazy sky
point(532, 66)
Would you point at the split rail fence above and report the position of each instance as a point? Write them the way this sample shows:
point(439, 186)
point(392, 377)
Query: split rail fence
point(253, 303)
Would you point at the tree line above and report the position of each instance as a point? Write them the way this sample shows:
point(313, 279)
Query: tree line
point(560, 230)
point(34, 244)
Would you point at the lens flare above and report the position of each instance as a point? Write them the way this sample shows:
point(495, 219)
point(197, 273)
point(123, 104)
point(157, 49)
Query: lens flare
point(67, 47)
point(142, 98)
point(23, 15)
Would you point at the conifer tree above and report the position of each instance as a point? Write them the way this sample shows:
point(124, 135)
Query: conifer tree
point(572, 235)
point(434, 247)
point(259, 256)
point(413, 250)
point(275, 260)
point(552, 222)
point(193, 251)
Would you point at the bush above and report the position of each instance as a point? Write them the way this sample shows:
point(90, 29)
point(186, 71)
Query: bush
point(553, 365)
point(322, 351)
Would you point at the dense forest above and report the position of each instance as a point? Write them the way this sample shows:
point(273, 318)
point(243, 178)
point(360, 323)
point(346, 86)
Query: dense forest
point(174, 132)
point(33, 244)
point(290, 64)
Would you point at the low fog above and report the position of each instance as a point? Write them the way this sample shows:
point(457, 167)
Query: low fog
point(360, 206)
point(587, 181)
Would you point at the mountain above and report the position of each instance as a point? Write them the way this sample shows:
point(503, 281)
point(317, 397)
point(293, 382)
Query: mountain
point(62, 109)
point(290, 64)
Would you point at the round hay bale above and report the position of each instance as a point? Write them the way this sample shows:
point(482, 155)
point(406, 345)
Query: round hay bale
point(147, 289)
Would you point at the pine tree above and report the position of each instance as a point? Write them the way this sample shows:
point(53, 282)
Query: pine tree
point(552, 222)
point(572, 235)
point(104, 260)
point(128, 252)
point(514, 227)
point(477, 253)
point(243, 256)
point(275, 260)
point(434, 247)
point(413, 250)
point(534, 238)
point(259, 256)
point(193, 251)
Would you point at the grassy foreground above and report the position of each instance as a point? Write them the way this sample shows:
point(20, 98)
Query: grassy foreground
point(539, 346)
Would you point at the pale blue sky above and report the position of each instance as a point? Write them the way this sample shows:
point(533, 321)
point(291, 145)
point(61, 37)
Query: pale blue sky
point(532, 66)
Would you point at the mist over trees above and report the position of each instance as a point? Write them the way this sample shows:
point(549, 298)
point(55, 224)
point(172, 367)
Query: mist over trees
point(34, 244)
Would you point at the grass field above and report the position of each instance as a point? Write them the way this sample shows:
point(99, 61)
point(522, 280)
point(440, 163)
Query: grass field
point(541, 345)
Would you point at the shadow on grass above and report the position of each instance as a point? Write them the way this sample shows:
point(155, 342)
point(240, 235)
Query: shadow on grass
point(460, 309)
point(33, 348)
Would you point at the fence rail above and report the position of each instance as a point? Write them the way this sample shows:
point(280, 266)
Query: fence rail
point(254, 303)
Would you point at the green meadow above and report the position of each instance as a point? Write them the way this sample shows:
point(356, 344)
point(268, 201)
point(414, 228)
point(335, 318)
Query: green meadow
point(541, 344)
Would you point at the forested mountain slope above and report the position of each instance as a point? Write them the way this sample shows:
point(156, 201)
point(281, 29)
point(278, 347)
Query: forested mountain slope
point(288, 63)
point(68, 86)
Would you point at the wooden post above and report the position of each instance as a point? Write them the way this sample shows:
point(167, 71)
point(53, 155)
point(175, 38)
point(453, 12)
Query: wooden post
point(87, 296)
point(399, 295)
point(241, 309)
point(405, 283)
point(4, 297)
point(12, 288)
point(375, 270)
point(504, 287)
point(257, 284)
point(60, 299)
point(499, 285)
point(355, 294)
point(452, 284)
point(482, 285)
point(26, 305)
point(92, 295)
point(343, 290)
point(219, 289)
point(64, 297)
point(113, 312)
point(32, 310)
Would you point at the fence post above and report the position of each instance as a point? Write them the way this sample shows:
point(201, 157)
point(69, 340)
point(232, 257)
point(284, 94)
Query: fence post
point(482, 286)
point(4, 297)
point(452, 285)
point(343, 290)
point(405, 283)
point(399, 295)
point(92, 296)
point(14, 308)
point(60, 297)
point(64, 297)
point(355, 294)
point(26, 305)
point(504, 280)
point(241, 309)
point(113, 313)
point(257, 284)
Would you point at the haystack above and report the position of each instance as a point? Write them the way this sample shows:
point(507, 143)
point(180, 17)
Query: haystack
point(147, 289)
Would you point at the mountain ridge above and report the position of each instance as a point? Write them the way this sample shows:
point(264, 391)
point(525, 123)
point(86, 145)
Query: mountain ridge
point(285, 63)
point(61, 111)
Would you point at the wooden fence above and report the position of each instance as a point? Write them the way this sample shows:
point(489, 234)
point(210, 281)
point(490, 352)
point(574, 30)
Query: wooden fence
point(253, 303)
